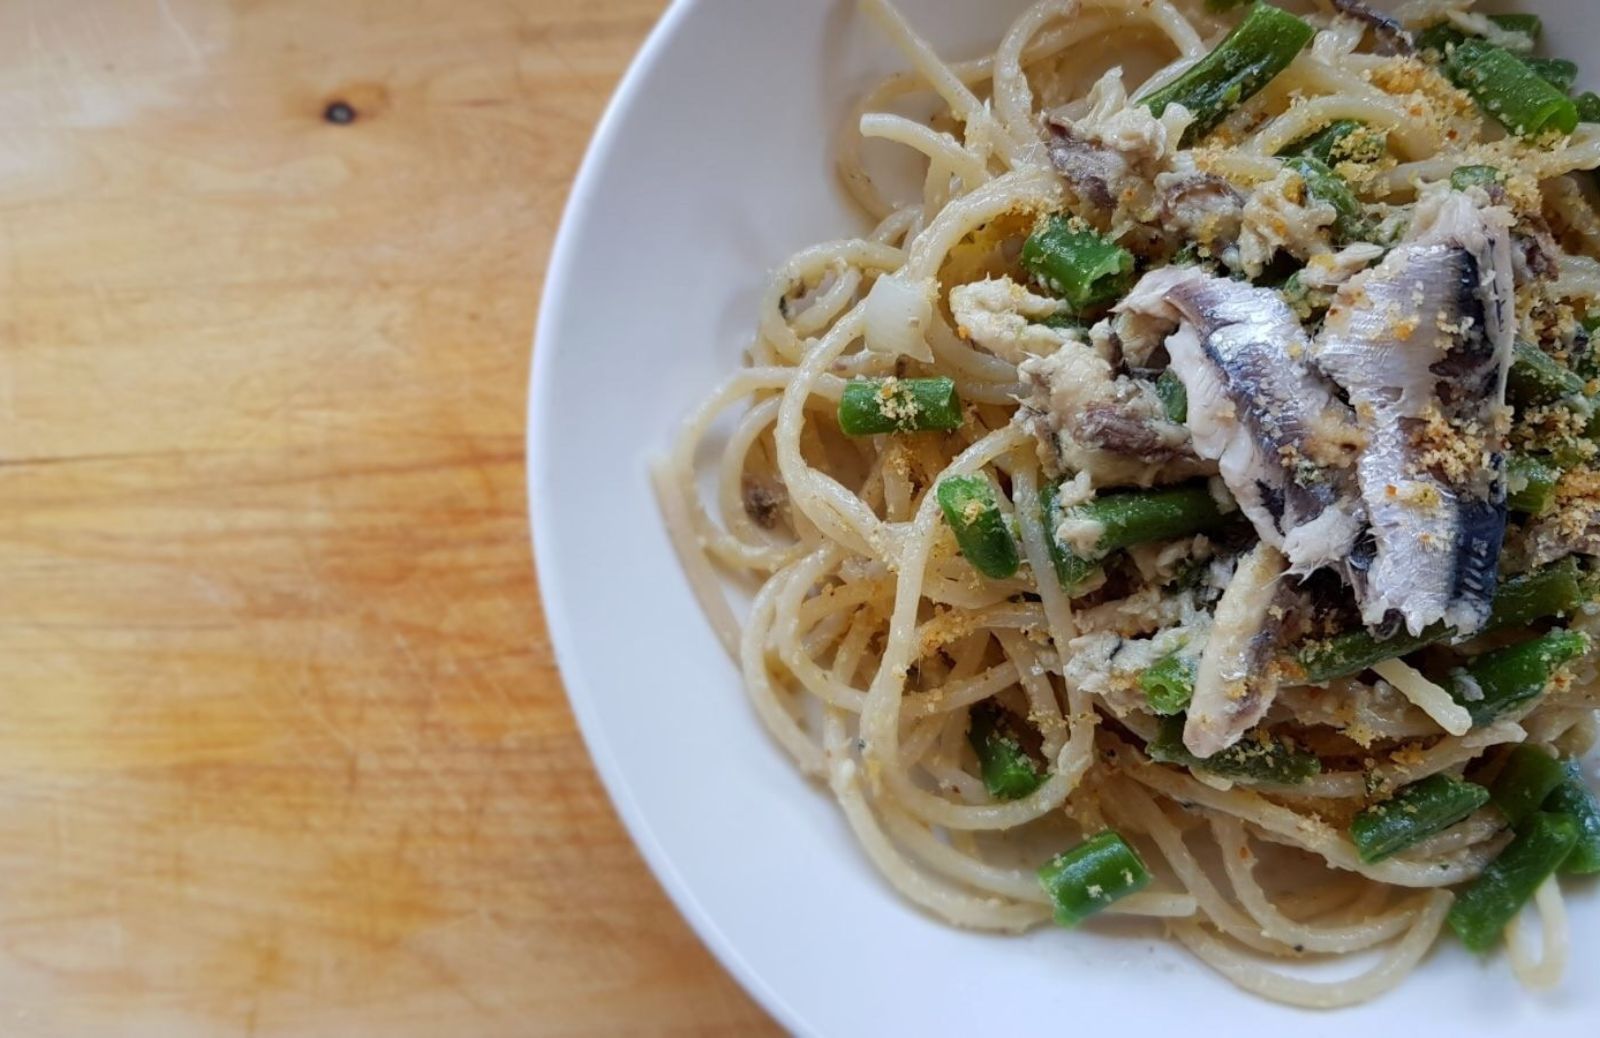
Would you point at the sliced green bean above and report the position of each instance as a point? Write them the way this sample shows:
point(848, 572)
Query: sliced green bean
point(1481, 912)
point(1008, 772)
point(1076, 263)
point(1528, 776)
point(973, 511)
point(1257, 757)
point(1558, 72)
point(1551, 591)
point(1498, 682)
point(1128, 518)
point(1530, 483)
point(1508, 89)
point(1463, 177)
point(1168, 684)
point(1250, 57)
point(1323, 184)
point(871, 406)
point(1530, 25)
point(1576, 800)
point(1535, 378)
point(1092, 876)
point(1174, 396)
point(1413, 814)
point(1344, 140)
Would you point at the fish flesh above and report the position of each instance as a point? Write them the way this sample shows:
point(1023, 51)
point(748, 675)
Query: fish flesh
point(1090, 419)
point(1236, 683)
point(1283, 442)
point(1421, 345)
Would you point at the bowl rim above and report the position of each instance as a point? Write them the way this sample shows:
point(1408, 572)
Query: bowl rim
point(575, 686)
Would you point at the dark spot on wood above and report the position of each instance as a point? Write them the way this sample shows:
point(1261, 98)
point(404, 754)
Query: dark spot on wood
point(339, 113)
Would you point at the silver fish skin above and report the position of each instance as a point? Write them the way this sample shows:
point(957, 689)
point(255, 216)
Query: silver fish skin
point(1283, 442)
point(1421, 345)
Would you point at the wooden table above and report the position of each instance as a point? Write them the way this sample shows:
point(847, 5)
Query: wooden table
point(283, 750)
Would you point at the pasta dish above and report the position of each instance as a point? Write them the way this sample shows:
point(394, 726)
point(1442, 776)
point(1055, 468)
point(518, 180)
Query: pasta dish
point(1183, 502)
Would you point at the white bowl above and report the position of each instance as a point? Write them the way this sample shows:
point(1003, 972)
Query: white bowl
point(712, 165)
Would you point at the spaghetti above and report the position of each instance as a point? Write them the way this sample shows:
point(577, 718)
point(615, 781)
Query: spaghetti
point(1112, 550)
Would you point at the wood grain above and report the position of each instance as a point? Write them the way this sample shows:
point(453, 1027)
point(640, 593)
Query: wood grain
point(283, 750)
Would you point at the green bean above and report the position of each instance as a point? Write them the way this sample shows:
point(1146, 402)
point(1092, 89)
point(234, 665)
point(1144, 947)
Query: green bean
point(1323, 184)
point(1498, 682)
point(1168, 684)
point(1530, 483)
point(1463, 177)
point(1091, 876)
point(1344, 140)
point(1481, 912)
point(1128, 518)
point(1529, 25)
point(1535, 378)
point(1588, 106)
point(1577, 801)
point(1526, 779)
point(1258, 756)
point(1174, 396)
point(897, 405)
point(1508, 89)
point(1554, 590)
point(1076, 263)
point(973, 512)
point(1551, 591)
point(1414, 814)
point(1558, 72)
point(1250, 57)
point(1443, 36)
point(1008, 772)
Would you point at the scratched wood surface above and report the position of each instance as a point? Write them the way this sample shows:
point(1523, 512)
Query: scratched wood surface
point(283, 749)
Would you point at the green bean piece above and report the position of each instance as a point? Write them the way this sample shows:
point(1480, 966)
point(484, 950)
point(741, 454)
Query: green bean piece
point(1576, 800)
point(1554, 590)
point(1323, 184)
point(973, 512)
point(1413, 814)
point(1520, 600)
point(1092, 876)
point(1508, 89)
point(1481, 912)
point(1343, 140)
point(1070, 569)
point(1440, 37)
point(1463, 177)
point(1129, 518)
point(1174, 396)
point(1558, 72)
point(1529, 25)
point(1530, 483)
point(1076, 263)
point(1251, 56)
point(1257, 757)
point(1168, 684)
point(871, 406)
point(1008, 772)
point(1528, 776)
point(1588, 106)
point(1535, 377)
point(1498, 682)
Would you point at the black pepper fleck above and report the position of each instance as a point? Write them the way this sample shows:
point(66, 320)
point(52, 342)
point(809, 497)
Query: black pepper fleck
point(339, 113)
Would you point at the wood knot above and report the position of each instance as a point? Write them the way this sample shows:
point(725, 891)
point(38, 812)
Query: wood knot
point(340, 113)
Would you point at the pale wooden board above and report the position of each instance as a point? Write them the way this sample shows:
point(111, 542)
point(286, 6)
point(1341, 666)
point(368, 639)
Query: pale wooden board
point(283, 750)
